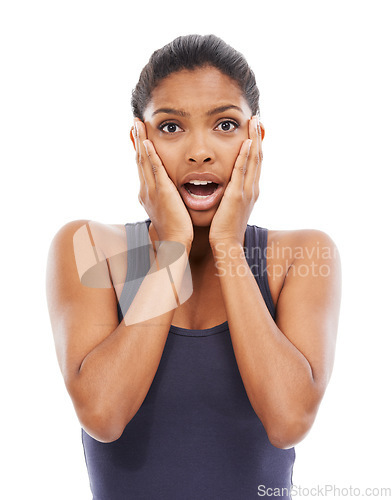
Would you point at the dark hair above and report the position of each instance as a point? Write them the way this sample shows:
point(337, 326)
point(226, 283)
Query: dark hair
point(191, 52)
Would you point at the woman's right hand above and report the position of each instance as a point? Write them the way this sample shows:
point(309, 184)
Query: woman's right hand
point(158, 194)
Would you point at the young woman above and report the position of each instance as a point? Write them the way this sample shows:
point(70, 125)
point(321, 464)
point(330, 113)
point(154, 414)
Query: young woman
point(196, 348)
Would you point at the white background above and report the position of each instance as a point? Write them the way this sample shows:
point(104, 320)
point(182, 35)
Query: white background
point(323, 69)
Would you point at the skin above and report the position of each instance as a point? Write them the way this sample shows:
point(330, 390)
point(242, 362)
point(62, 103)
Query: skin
point(200, 144)
point(285, 364)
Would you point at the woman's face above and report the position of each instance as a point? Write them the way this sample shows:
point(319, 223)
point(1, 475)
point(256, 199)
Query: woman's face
point(197, 121)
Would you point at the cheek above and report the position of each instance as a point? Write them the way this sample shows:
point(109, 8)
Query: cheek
point(229, 153)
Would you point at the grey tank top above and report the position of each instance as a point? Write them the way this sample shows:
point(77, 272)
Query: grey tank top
point(196, 435)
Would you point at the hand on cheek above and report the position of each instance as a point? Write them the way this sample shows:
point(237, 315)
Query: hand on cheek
point(231, 218)
point(158, 194)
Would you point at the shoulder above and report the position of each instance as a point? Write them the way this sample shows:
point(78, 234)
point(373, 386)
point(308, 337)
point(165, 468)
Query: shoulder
point(87, 252)
point(88, 232)
point(297, 252)
point(299, 243)
point(71, 227)
point(83, 243)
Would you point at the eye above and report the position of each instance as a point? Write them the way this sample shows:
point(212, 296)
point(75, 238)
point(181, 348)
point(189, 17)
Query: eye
point(227, 126)
point(169, 128)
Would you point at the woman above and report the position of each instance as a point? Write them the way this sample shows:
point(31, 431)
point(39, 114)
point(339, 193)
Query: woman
point(198, 348)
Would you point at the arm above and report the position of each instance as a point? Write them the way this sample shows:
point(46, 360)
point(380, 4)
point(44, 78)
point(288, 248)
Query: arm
point(285, 366)
point(107, 367)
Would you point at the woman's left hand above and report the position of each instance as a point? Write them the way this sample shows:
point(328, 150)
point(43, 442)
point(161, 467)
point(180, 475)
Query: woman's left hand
point(231, 218)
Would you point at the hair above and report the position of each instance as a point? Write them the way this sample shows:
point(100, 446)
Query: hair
point(191, 52)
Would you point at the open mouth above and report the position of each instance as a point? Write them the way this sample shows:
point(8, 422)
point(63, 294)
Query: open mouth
point(201, 190)
point(201, 196)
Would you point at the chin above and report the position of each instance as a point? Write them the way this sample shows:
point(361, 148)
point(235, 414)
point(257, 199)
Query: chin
point(202, 218)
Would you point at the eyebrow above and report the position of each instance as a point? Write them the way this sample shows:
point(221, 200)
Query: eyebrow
point(180, 112)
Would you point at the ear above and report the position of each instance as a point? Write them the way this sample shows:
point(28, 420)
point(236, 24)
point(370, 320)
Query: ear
point(132, 138)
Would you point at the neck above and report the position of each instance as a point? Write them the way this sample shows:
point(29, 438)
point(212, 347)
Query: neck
point(201, 252)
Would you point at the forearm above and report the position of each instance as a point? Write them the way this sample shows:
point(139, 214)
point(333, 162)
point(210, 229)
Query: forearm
point(116, 375)
point(277, 377)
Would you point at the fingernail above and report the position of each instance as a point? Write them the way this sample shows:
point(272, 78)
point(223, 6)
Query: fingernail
point(135, 127)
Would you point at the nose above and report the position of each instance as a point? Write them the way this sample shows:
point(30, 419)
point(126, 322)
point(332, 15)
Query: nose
point(199, 159)
point(199, 151)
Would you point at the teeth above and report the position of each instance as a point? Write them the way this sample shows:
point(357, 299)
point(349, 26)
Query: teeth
point(198, 183)
point(198, 196)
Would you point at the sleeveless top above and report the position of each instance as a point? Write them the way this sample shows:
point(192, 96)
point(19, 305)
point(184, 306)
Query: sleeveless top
point(196, 435)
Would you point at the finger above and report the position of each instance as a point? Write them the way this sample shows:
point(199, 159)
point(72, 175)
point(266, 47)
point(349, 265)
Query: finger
point(139, 168)
point(241, 165)
point(156, 165)
point(254, 156)
point(258, 170)
point(142, 158)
